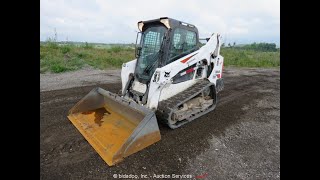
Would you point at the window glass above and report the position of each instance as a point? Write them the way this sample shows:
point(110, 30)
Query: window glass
point(151, 42)
point(183, 42)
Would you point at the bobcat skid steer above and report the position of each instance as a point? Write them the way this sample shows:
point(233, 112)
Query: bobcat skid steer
point(173, 79)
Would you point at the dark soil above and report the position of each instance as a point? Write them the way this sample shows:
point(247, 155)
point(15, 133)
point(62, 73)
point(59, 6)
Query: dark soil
point(249, 103)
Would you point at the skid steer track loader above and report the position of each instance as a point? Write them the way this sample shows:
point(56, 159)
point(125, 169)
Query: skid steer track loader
point(172, 79)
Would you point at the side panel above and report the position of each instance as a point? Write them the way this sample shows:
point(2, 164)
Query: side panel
point(219, 67)
point(217, 70)
point(127, 68)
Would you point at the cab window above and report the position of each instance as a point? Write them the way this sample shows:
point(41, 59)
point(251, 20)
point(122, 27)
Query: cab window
point(183, 42)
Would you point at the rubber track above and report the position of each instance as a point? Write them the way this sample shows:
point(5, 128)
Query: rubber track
point(167, 107)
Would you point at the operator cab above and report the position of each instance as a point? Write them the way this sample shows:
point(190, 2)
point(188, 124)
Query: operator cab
point(162, 41)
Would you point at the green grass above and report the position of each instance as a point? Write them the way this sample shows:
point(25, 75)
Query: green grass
point(60, 58)
point(250, 58)
point(69, 57)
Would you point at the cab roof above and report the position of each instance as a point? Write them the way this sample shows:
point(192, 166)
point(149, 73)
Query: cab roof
point(169, 23)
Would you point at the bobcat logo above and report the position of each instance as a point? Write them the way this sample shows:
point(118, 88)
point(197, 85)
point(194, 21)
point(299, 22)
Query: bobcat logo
point(166, 74)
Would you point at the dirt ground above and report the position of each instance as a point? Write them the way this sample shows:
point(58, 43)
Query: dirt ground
point(84, 77)
point(240, 139)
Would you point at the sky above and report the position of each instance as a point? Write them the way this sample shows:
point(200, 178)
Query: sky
point(115, 21)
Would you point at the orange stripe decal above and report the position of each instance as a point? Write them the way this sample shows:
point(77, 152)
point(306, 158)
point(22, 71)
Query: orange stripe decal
point(186, 59)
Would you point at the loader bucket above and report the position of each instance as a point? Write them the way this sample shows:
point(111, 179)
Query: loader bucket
point(114, 126)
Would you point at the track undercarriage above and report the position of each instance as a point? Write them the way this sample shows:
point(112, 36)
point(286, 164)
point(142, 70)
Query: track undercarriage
point(186, 106)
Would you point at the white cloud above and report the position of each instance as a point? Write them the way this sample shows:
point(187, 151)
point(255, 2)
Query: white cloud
point(111, 21)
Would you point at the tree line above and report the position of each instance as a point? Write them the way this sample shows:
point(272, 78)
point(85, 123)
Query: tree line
point(267, 47)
